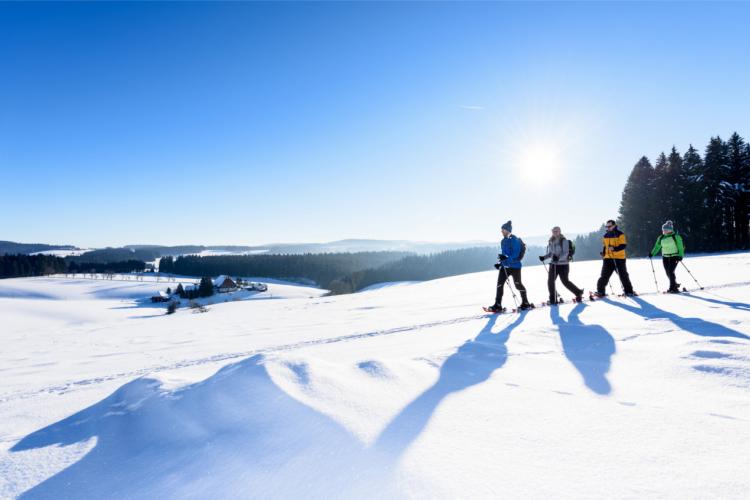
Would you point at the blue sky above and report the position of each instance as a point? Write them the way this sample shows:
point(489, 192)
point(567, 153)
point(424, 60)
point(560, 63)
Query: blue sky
point(248, 123)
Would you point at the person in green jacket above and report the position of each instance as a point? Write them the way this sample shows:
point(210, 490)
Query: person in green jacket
point(672, 252)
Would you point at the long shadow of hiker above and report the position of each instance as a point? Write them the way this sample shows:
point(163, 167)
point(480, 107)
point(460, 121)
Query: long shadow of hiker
point(470, 365)
point(588, 347)
point(742, 306)
point(696, 326)
point(238, 434)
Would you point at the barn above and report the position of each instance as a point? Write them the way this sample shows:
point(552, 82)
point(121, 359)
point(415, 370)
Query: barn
point(225, 284)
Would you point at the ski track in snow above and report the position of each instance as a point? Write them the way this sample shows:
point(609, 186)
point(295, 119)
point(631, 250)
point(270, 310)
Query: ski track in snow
point(234, 355)
point(216, 358)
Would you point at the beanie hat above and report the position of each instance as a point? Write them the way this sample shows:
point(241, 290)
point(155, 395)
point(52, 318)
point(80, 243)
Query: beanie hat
point(668, 226)
point(508, 227)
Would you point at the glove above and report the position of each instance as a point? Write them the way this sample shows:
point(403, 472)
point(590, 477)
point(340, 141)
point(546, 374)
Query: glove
point(503, 257)
point(497, 266)
point(679, 259)
point(541, 258)
point(601, 253)
point(555, 258)
point(650, 256)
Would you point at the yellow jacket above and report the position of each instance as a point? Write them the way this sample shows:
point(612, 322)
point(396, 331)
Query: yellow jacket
point(616, 239)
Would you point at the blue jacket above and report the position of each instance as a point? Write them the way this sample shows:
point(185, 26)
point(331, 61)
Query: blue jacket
point(511, 246)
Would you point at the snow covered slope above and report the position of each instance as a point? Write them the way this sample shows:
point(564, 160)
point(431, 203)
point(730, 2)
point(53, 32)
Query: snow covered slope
point(403, 391)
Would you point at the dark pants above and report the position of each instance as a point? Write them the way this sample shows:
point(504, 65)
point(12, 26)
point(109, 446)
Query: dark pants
point(556, 270)
point(502, 277)
point(670, 264)
point(608, 267)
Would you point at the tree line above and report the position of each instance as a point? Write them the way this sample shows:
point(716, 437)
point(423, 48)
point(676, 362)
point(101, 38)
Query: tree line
point(344, 272)
point(323, 269)
point(22, 266)
point(19, 266)
point(125, 266)
point(707, 197)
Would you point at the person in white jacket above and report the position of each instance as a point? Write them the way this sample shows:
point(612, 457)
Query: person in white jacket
point(560, 255)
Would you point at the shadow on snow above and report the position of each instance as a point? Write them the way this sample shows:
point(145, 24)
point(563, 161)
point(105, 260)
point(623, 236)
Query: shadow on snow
point(473, 363)
point(237, 434)
point(742, 306)
point(588, 347)
point(696, 326)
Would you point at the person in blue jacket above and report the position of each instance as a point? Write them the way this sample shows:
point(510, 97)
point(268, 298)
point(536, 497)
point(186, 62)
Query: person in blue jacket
point(509, 265)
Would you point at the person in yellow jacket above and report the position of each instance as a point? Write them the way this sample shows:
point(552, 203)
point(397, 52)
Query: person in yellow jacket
point(614, 243)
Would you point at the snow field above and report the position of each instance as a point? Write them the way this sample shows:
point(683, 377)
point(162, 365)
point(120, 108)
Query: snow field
point(404, 391)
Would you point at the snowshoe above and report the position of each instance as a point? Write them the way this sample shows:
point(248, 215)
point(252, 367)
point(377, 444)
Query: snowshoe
point(494, 309)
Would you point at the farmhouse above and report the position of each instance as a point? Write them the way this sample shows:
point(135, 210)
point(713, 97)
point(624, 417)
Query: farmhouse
point(225, 284)
point(160, 297)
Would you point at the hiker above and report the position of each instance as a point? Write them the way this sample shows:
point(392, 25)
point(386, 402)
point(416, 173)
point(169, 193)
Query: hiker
point(560, 252)
point(512, 250)
point(672, 252)
point(613, 260)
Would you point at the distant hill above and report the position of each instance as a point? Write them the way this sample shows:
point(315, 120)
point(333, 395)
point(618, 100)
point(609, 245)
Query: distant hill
point(148, 253)
point(11, 247)
point(365, 245)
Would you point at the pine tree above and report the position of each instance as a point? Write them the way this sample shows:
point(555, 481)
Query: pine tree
point(715, 170)
point(736, 189)
point(166, 264)
point(660, 190)
point(673, 188)
point(695, 215)
point(206, 287)
point(637, 214)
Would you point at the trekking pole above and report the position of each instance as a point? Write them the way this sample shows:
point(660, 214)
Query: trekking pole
point(617, 272)
point(609, 282)
point(691, 275)
point(554, 283)
point(507, 280)
point(653, 271)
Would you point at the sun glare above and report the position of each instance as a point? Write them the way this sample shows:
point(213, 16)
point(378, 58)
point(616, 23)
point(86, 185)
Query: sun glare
point(539, 162)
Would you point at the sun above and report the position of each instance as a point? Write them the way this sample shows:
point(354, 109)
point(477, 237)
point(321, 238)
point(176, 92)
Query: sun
point(539, 162)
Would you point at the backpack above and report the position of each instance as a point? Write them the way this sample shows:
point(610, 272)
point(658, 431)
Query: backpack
point(571, 249)
point(523, 249)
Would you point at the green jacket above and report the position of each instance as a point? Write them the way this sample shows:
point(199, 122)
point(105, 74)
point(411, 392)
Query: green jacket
point(670, 245)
